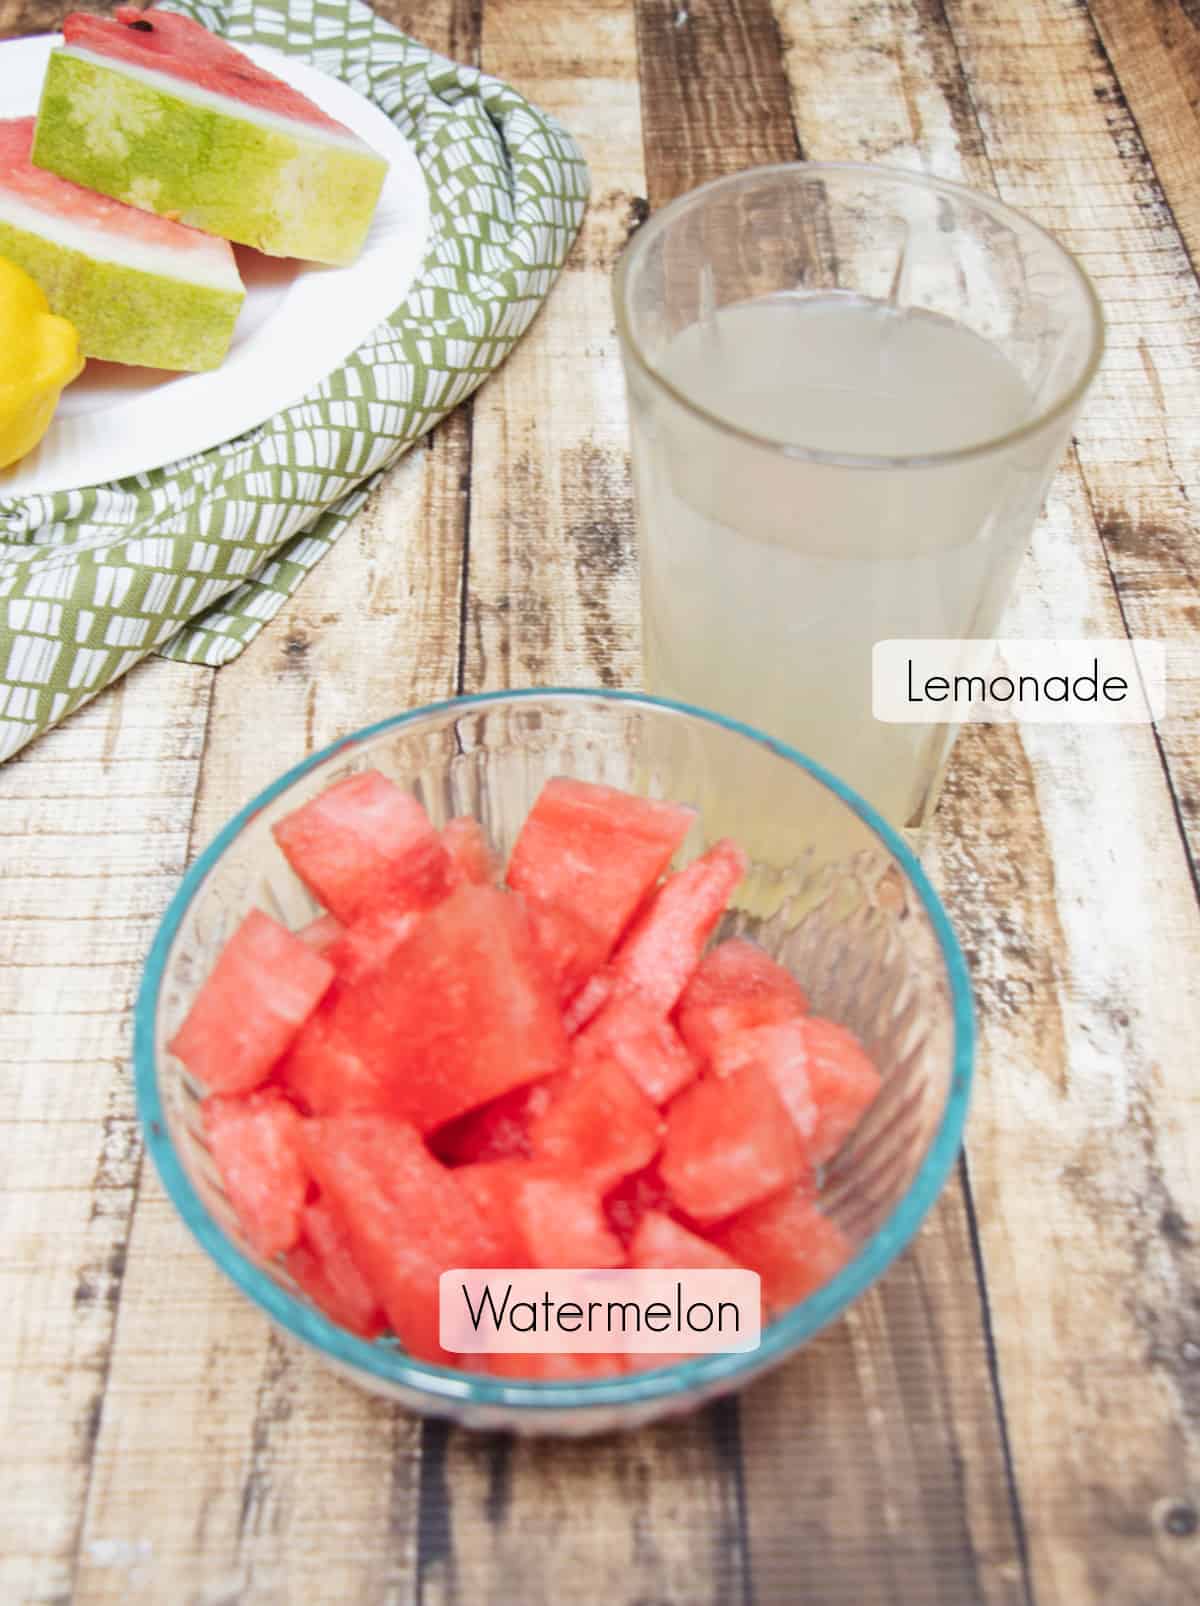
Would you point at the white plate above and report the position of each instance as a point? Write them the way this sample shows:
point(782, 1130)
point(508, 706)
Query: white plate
point(297, 324)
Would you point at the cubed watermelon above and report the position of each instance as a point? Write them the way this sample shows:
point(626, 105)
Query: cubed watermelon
point(255, 1143)
point(371, 940)
point(489, 1185)
point(729, 1143)
point(664, 946)
point(844, 1083)
point(325, 1269)
point(662, 1242)
point(569, 948)
point(631, 1033)
point(365, 842)
point(596, 851)
point(782, 1052)
point(405, 1218)
point(324, 1073)
point(470, 856)
point(599, 1126)
point(561, 1221)
point(460, 1013)
point(263, 987)
point(631, 1199)
point(789, 1243)
point(736, 985)
point(495, 1131)
point(321, 933)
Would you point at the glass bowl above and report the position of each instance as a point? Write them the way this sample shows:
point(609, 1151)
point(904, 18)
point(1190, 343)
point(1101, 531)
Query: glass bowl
point(833, 892)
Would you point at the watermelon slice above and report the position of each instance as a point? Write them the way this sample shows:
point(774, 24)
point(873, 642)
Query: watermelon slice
point(844, 1083)
point(364, 844)
point(789, 1243)
point(631, 1033)
point(138, 289)
point(729, 1143)
point(459, 1014)
point(736, 985)
point(662, 950)
point(152, 109)
point(324, 1268)
point(596, 852)
point(404, 1217)
point(470, 856)
point(256, 1145)
point(264, 986)
point(600, 1126)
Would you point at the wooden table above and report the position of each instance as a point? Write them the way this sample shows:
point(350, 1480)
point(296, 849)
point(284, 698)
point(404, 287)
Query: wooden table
point(1014, 1415)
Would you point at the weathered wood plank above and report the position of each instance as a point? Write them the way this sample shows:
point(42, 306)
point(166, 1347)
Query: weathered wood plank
point(72, 933)
point(553, 599)
point(881, 1423)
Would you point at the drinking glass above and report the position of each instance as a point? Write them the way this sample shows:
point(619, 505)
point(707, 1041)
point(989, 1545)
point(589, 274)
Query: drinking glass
point(849, 388)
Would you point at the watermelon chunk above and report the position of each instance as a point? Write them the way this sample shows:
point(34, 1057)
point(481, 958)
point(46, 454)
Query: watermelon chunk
point(570, 950)
point(194, 129)
point(631, 1199)
point(489, 1185)
point(736, 985)
point(789, 1243)
point(631, 1033)
point(596, 851)
point(324, 1073)
point(844, 1083)
point(404, 1216)
point(600, 1126)
point(320, 934)
point(363, 843)
point(495, 1131)
point(139, 289)
point(729, 1143)
point(663, 949)
point(324, 1268)
point(459, 1014)
point(256, 1145)
point(263, 987)
point(562, 1222)
point(470, 856)
point(660, 1242)
point(369, 942)
point(782, 1052)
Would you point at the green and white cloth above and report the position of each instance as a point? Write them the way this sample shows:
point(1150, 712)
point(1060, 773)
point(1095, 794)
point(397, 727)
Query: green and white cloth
point(193, 559)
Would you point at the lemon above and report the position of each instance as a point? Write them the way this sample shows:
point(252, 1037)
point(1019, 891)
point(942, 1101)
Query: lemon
point(39, 356)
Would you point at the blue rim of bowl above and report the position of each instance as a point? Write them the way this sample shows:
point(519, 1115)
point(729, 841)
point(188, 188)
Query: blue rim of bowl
point(448, 1388)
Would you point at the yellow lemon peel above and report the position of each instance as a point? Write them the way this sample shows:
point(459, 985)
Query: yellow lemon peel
point(39, 357)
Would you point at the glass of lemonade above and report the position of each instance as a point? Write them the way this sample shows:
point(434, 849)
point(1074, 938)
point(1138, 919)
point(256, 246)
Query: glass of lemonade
point(849, 388)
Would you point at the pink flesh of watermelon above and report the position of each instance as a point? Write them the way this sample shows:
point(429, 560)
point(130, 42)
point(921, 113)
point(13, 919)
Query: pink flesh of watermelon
point(404, 1217)
point(600, 1126)
point(595, 851)
point(321, 933)
point(663, 948)
point(630, 1032)
point(736, 985)
point(844, 1083)
point(660, 1242)
point(264, 986)
point(490, 1189)
point(459, 1014)
point(58, 197)
point(496, 1131)
point(569, 949)
point(256, 1146)
point(782, 1052)
point(363, 844)
point(368, 943)
point(632, 1198)
point(562, 1223)
point(324, 1267)
point(470, 856)
point(324, 1074)
point(729, 1143)
point(789, 1243)
point(181, 47)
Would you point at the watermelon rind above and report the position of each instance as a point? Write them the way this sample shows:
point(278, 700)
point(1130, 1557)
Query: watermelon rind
point(286, 187)
point(124, 314)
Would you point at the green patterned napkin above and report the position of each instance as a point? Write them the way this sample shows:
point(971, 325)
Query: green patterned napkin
point(193, 559)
